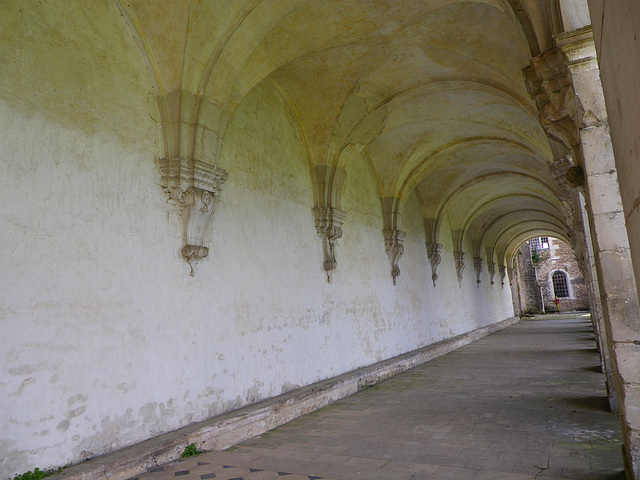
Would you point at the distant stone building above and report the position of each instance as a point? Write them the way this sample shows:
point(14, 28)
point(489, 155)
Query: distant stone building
point(558, 275)
point(524, 289)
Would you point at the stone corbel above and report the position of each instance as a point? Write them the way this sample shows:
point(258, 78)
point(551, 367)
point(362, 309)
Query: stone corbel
point(393, 246)
point(561, 113)
point(477, 266)
point(327, 215)
point(459, 259)
point(491, 268)
point(393, 236)
point(329, 223)
point(193, 187)
point(558, 116)
point(198, 207)
point(433, 253)
point(502, 271)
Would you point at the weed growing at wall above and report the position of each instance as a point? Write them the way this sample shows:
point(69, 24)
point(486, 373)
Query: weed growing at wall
point(37, 474)
point(189, 451)
point(535, 257)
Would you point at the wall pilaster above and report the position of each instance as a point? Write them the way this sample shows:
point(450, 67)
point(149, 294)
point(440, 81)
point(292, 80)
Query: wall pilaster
point(612, 256)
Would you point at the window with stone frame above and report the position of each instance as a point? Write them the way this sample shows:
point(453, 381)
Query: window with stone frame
point(560, 284)
point(534, 244)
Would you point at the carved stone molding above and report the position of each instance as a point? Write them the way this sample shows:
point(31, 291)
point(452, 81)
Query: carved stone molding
point(174, 178)
point(502, 271)
point(477, 266)
point(511, 271)
point(393, 246)
point(491, 268)
point(193, 187)
point(433, 253)
point(459, 259)
point(329, 223)
point(559, 115)
point(193, 254)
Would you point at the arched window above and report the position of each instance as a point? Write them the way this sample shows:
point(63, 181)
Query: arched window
point(560, 284)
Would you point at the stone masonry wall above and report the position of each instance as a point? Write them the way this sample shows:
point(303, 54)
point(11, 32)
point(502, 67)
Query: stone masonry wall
point(525, 293)
point(560, 256)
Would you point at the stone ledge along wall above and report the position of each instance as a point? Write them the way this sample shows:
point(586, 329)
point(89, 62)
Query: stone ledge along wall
point(107, 340)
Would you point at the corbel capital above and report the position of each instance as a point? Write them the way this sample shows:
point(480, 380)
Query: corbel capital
point(550, 85)
point(193, 187)
point(394, 248)
point(328, 217)
point(491, 268)
point(502, 271)
point(477, 266)
point(458, 257)
point(433, 253)
point(329, 223)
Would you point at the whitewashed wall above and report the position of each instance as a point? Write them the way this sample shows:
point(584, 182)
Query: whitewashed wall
point(106, 339)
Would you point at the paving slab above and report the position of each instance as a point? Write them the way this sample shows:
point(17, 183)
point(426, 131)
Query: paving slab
point(526, 403)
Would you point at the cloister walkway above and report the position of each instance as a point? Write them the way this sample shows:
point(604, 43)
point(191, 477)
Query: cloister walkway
point(525, 403)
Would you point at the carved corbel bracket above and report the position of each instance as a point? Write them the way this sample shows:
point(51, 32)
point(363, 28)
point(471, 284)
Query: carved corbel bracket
point(193, 187)
point(502, 271)
point(477, 266)
point(561, 114)
point(198, 207)
point(459, 259)
point(393, 246)
point(329, 223)
point(491, 268)
point(328, 217)
point(433, 253)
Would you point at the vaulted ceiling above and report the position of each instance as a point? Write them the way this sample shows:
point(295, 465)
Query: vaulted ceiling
point(431, 92)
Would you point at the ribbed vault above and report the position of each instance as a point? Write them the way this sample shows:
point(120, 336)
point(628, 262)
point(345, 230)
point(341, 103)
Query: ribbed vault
point(430, 93)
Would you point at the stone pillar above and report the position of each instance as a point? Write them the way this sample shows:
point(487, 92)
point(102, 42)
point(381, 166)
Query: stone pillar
point(597, 318)
point(615, 275)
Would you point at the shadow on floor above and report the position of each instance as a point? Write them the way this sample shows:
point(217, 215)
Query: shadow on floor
point(590, 350)
point(594, 369)
point(596, 403)
point(617, 476)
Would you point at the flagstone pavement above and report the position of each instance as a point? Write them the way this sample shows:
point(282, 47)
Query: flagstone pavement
point(525, 403)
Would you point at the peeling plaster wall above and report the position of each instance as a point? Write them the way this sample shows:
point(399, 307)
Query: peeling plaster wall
point(106, 338)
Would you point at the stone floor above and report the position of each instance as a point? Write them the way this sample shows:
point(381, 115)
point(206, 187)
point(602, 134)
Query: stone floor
point(525, 403)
